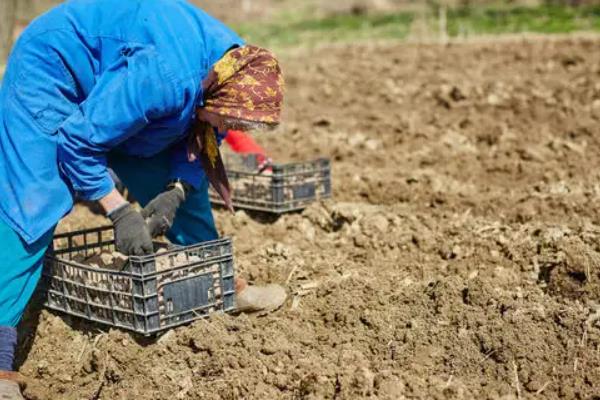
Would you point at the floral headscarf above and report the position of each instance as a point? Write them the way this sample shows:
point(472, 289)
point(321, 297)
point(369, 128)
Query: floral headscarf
point(245, 84)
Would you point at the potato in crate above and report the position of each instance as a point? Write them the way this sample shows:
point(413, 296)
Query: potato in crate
point(280, 188)
point(85, 277)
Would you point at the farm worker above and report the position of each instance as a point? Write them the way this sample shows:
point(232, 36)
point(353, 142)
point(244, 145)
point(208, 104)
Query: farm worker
point(142, 87)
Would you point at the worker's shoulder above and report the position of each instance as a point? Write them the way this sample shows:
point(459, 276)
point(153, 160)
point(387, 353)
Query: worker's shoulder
point(141, 21)
point(188, 40)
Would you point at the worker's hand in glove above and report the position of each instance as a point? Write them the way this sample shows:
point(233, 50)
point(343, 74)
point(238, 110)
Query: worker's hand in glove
point(160, 212)
point(132, 236)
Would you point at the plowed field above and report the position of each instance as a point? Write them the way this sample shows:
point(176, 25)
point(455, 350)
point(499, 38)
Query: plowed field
point(459, 258)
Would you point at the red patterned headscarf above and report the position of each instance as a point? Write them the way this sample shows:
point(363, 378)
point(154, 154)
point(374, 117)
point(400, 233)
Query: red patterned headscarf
point(245, 84)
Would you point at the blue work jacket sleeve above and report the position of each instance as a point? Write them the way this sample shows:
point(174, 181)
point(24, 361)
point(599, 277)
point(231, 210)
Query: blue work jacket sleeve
point(128, 96)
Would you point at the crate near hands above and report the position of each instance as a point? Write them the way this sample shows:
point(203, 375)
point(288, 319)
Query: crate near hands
point(276, 188)
point(144, 294)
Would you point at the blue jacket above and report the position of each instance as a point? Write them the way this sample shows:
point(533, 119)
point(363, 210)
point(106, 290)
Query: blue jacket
point(93, 76)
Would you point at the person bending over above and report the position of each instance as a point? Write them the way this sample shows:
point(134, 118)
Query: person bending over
point(141, 87)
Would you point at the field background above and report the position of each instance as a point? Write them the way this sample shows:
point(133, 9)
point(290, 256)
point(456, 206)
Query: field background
point(281, 24)
point(286, 23)
point(289, 22)
point(460, 255)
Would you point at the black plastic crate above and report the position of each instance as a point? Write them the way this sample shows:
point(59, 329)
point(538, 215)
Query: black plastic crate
point(284, 188)
point(149, 293)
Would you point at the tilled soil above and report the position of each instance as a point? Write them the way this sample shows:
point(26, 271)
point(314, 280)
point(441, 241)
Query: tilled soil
point(459, 258)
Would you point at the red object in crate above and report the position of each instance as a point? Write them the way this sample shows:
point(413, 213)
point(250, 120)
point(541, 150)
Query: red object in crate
point(241, 142)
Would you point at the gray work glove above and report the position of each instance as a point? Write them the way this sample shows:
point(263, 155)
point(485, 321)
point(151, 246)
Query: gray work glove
point(132, 236)
point(160, 212)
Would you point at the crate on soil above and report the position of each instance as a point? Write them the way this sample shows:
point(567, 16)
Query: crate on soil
point(283, 188)
point(147, 294)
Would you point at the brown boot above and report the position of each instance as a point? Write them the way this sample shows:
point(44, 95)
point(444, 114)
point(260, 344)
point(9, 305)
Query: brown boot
point(258, 298)
point(9, 386)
